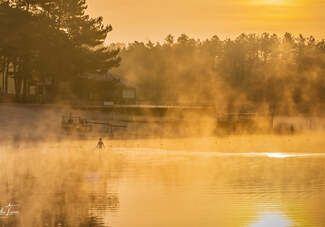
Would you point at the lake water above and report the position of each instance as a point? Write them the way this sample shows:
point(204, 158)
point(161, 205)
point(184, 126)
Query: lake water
point(161, 188)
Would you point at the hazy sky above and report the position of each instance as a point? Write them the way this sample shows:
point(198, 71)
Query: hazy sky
point(145, 20)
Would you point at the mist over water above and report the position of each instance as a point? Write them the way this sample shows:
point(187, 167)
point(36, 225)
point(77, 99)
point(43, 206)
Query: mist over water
point(157, 172)
point(197, 132)
point(160, 182)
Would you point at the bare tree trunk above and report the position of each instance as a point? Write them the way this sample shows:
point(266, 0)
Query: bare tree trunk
point(18, 80)
point(27, 88)
point(24, 77)
point(6, 75)
point(3, 73)
point(24, 88)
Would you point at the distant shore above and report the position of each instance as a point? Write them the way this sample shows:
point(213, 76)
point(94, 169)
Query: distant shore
point(32, 123)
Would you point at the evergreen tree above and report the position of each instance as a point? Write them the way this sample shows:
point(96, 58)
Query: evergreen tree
point(51, 40)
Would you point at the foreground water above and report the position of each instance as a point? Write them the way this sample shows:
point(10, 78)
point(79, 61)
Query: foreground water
point(150, 187)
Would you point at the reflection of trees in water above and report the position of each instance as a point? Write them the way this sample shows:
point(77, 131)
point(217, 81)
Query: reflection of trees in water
point(93, 222)
point(8, 222)
point(104, 201)
point(64, 209)
point(54, 220)
point(57, 193)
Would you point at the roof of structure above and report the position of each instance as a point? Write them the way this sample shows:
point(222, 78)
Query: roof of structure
point(108, 77)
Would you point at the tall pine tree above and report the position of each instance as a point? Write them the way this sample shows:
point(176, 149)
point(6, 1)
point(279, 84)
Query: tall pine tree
point(51, 40)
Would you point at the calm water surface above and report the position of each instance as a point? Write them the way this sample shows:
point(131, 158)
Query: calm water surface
point(159, 188)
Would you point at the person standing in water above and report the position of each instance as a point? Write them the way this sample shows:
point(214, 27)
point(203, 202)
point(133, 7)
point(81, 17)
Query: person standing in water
point(100, 144)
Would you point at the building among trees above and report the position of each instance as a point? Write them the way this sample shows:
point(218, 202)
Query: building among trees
point(105, 88)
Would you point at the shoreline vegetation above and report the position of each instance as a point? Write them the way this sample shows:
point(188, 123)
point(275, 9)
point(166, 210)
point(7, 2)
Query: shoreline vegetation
point(254, 84)
point(48, 47)
point(256, 73)
point(36, 125)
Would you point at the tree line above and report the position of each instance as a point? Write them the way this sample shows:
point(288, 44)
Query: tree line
point(54, 41)
point(50, 41)
point(251, 73)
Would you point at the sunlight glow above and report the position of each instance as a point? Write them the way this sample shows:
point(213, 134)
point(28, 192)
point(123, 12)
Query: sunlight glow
point(274, 2)
point(278, 155)
point(271, 219)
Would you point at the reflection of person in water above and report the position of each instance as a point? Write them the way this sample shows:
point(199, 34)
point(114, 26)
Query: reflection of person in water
point(100, 144)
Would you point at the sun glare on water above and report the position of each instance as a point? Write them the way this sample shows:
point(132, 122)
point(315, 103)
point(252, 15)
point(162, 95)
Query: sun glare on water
point(271, 219)
point(278, 155)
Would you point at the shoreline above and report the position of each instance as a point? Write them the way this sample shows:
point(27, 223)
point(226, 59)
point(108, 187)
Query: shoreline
point(38, 124)
point(307, 143)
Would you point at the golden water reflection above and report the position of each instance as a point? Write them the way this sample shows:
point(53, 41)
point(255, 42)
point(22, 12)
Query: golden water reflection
point(271, 219)
point(72, 185)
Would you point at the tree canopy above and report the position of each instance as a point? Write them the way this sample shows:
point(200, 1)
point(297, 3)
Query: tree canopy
point(51, 40)
point(253, 72)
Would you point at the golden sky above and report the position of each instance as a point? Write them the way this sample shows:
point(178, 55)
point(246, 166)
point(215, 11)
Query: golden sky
point(145, 20)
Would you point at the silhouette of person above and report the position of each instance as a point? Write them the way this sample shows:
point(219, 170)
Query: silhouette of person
point(100, 144)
